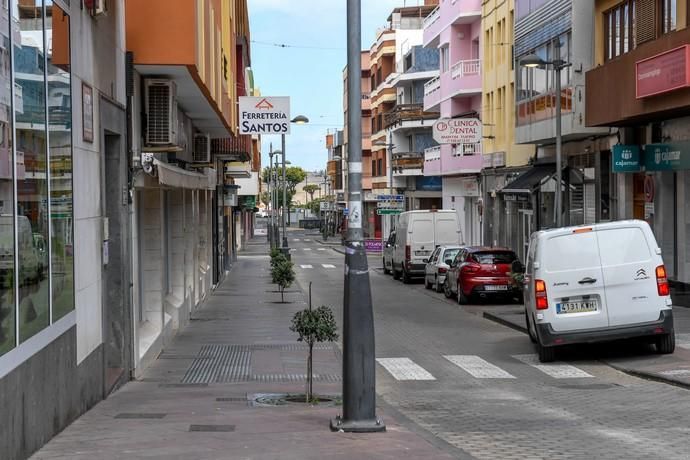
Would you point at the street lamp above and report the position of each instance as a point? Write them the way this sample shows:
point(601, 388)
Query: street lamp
point(271, 233)
point(298, 120)
point(533, 61)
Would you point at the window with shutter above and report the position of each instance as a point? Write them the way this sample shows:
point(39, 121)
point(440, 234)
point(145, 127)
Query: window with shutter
point(645, 11)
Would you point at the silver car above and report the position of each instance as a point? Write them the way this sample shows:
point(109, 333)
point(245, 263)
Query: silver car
point(388, 254)
point(437, 266)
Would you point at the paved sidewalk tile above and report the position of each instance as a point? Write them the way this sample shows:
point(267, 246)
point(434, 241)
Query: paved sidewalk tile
point(197, 400)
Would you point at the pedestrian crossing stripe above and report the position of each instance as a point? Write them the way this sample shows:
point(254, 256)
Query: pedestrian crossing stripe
point(307, 239)
point(327, 266)
point(321, 249)
point(306, 266)
point(404, 369)
point(307, 249)
point(557, 371)
point(295, 239)
point(478, 368)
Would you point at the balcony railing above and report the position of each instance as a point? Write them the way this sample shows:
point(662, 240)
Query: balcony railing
point(235, 147)
point(406, 163)
point(407, 112)
point(433, 17)
point(466, 68)
point(432, 153)
point(467, 149)
point(432, 85)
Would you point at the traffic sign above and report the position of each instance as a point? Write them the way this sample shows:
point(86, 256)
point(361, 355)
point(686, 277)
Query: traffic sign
point(388, 212)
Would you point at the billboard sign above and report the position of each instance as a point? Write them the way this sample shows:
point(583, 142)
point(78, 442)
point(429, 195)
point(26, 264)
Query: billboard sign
point(264, 115)
point(663, 73)
point(458, 131)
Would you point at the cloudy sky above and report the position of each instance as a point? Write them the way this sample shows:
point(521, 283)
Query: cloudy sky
point(310, 71)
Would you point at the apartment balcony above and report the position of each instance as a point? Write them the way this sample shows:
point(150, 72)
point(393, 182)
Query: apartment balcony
point(235, 148)
point(408, 116)
point(448, 160)
point(408, 164)
point(432, 94)
point(447, 14)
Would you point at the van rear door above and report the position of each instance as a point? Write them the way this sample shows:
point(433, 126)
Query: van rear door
point(571, 269)
point(421, 237)
point(629, 268)
point(446, 229)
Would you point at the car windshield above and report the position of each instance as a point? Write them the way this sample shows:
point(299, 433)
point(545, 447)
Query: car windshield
point(493, 258)
point(450, 254)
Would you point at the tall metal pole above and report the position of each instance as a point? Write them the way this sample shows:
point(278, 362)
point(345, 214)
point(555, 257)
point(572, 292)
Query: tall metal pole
point(270, 196)
point(359, 367)
point(285, 206)
point(559, 188)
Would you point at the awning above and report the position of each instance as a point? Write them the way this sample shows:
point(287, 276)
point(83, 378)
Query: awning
point(173, 176)
point(530, 179)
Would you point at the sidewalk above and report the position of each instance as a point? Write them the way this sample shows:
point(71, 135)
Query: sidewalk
point(638, 361)
point(202, 397)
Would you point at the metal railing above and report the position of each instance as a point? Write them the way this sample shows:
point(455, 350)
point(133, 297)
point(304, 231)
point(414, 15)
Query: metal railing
point(467, 149)
point(407, 112)
point(434, 16)
point(465, 68)
point(432, 153)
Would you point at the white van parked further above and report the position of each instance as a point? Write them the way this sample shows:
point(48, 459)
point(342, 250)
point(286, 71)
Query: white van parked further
point(417, 234)
point(594, 283)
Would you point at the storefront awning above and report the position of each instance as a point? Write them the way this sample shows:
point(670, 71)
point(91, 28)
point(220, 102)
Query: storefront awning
point(173, 176)
point(530, 179)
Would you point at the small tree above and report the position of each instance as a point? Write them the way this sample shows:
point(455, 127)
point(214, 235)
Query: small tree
point(310, 189)
point(283, 275)
point(314, 326)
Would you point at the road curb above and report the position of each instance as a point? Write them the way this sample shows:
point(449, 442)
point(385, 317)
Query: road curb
point(626, 370)
point(504, 322)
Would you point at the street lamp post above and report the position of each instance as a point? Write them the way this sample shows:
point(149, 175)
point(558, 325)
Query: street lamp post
point(270, 197)
point(359, 366)
point(533, 61)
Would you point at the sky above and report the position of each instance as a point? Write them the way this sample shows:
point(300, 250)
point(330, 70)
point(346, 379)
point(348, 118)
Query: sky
point(310, 71)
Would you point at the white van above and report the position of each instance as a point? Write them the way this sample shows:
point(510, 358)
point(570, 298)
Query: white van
point(417, 234)
point(593, 283)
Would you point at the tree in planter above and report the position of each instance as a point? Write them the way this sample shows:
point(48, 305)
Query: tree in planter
point(314, 326)
point(283, 275)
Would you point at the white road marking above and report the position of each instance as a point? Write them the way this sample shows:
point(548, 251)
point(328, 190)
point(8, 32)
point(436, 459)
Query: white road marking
point(557, 371)
point(306, 266)
point(404, 369)
point(295, 239)
point(321, 249)
point(307, 239)
point(307, 249)
point(477, 367)
point(676, 373)
point(327, 266)
point(683, 341)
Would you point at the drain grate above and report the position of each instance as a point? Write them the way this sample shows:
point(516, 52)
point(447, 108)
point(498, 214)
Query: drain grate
point(219, 363)
point(140, 416)
point(213, 428)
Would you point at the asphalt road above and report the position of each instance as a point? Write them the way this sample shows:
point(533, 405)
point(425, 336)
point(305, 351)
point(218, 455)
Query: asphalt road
point(477, 385)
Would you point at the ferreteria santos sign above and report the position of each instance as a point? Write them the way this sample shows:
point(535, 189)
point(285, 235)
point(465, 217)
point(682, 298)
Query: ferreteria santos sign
point(458, 131)
point(264, 115)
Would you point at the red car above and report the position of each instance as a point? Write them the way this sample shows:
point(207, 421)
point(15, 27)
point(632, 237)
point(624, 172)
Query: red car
point(481, 272)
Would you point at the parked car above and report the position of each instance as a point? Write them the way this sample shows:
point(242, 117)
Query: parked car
point(417, 234)
point(388, 254)
point(482, 272)
point(438, 265)
point(595, 283)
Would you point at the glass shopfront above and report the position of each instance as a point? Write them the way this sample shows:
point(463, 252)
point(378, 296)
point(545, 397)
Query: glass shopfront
point(36, 236)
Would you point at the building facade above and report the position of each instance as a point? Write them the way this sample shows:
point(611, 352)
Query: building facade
point(640, 49)
point(454, 29)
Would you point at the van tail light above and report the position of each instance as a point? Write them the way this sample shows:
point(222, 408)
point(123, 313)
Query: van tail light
point(540, 295)
point(661, 281)
point(442, 270)
point(408, 257)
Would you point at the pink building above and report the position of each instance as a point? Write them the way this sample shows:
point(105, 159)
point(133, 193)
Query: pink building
point(454, 27)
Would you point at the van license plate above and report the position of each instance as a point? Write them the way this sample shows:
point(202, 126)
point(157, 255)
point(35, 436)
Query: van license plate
point(576, 307)
point(496, 287)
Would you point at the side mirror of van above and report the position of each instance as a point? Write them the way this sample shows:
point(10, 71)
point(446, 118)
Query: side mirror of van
point(517, 267)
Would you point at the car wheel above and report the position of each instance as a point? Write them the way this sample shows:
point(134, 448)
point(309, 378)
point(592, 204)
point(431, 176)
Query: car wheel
point(462, 298)
point(529, 329)
point(446, 290)
point(396, 274)
point(546, 354)
point(405, 276)
point(438, 287)
point(427, 284)
point(666, 344)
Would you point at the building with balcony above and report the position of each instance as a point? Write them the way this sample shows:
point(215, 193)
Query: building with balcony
point(454, 29)
point(195, 178)
point(639, 88)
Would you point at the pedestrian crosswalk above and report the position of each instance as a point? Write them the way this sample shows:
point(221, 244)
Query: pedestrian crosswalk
point(403, 368)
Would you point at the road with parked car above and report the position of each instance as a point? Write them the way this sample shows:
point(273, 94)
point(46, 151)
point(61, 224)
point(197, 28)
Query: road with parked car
point(481, 388)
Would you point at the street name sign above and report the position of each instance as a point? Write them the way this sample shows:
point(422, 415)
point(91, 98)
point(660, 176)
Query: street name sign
point(458, 131)
point(264, 115)
point(389, 204)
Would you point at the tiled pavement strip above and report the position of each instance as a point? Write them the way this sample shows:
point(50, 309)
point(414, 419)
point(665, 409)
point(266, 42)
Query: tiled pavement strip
point(209, 420)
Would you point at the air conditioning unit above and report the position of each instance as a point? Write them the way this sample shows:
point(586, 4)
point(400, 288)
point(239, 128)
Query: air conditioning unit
point(161, 112)
point(96, 7)
point(202, 148)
